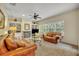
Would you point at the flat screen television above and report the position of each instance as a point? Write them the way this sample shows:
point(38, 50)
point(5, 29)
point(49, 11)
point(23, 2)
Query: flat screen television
point(35, 31)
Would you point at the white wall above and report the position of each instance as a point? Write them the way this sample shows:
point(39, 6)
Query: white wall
point(70, 30)
point(70, 25)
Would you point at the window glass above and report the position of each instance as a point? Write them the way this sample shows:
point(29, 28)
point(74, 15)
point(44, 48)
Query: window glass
point(52, 27)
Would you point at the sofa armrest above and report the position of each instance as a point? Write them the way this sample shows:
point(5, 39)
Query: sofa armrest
point(48, 37)
point(20, 51)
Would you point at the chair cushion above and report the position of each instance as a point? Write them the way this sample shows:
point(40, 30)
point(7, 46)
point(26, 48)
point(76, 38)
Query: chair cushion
point(10, 43)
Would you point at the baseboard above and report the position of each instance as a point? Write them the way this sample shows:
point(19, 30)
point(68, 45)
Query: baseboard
point(73, 45)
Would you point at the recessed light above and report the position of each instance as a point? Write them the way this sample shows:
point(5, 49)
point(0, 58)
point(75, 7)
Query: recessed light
point(23, 15)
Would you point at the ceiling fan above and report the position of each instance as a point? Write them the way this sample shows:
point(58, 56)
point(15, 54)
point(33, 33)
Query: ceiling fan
point(35, 16)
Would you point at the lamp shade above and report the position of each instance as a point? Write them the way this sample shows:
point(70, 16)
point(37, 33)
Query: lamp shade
point(13, 28)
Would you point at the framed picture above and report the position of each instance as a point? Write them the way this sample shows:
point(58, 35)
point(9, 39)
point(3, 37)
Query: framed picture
point(18, 26)
point(2, 20)
point(26, 34)
point(26, 26)
point(12, 24)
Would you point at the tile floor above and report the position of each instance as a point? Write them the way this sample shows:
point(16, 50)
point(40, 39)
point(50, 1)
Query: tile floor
point(60, 49)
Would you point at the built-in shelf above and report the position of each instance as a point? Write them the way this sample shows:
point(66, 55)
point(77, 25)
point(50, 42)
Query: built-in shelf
point(23, 27)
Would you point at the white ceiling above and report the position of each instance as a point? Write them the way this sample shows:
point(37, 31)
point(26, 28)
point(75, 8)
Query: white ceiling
point(44, 9)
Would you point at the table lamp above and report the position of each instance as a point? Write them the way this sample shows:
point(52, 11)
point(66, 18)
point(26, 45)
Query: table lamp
point(13, 30)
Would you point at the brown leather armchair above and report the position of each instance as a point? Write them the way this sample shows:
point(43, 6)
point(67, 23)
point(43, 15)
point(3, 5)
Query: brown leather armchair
point(52, 37)
point(8, 47)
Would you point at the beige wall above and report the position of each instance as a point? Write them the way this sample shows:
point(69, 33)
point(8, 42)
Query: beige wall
point(70, 25)
point(78, 28)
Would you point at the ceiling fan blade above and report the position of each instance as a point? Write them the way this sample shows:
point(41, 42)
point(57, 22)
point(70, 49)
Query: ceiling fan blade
point(39, 17)
point(35, 14)
point(35, 17)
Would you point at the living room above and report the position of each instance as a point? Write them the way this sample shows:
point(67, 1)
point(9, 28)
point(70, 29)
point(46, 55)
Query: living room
point(51, 29)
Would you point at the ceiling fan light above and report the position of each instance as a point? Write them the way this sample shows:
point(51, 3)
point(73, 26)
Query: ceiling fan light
point(23, 15)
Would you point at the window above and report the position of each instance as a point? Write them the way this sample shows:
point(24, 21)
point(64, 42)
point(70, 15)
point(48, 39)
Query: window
point(52, 27)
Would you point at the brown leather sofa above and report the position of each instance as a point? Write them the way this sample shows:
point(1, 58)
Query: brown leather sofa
point(53, 37)
point(10, 47)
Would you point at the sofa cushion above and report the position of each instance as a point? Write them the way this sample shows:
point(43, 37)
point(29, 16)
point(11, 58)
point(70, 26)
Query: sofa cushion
point(50, 34)
point(22, 51)
point(3, 48)
point(24, 43)
point(52, 37)
point(10, 43)
point(20, 43)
